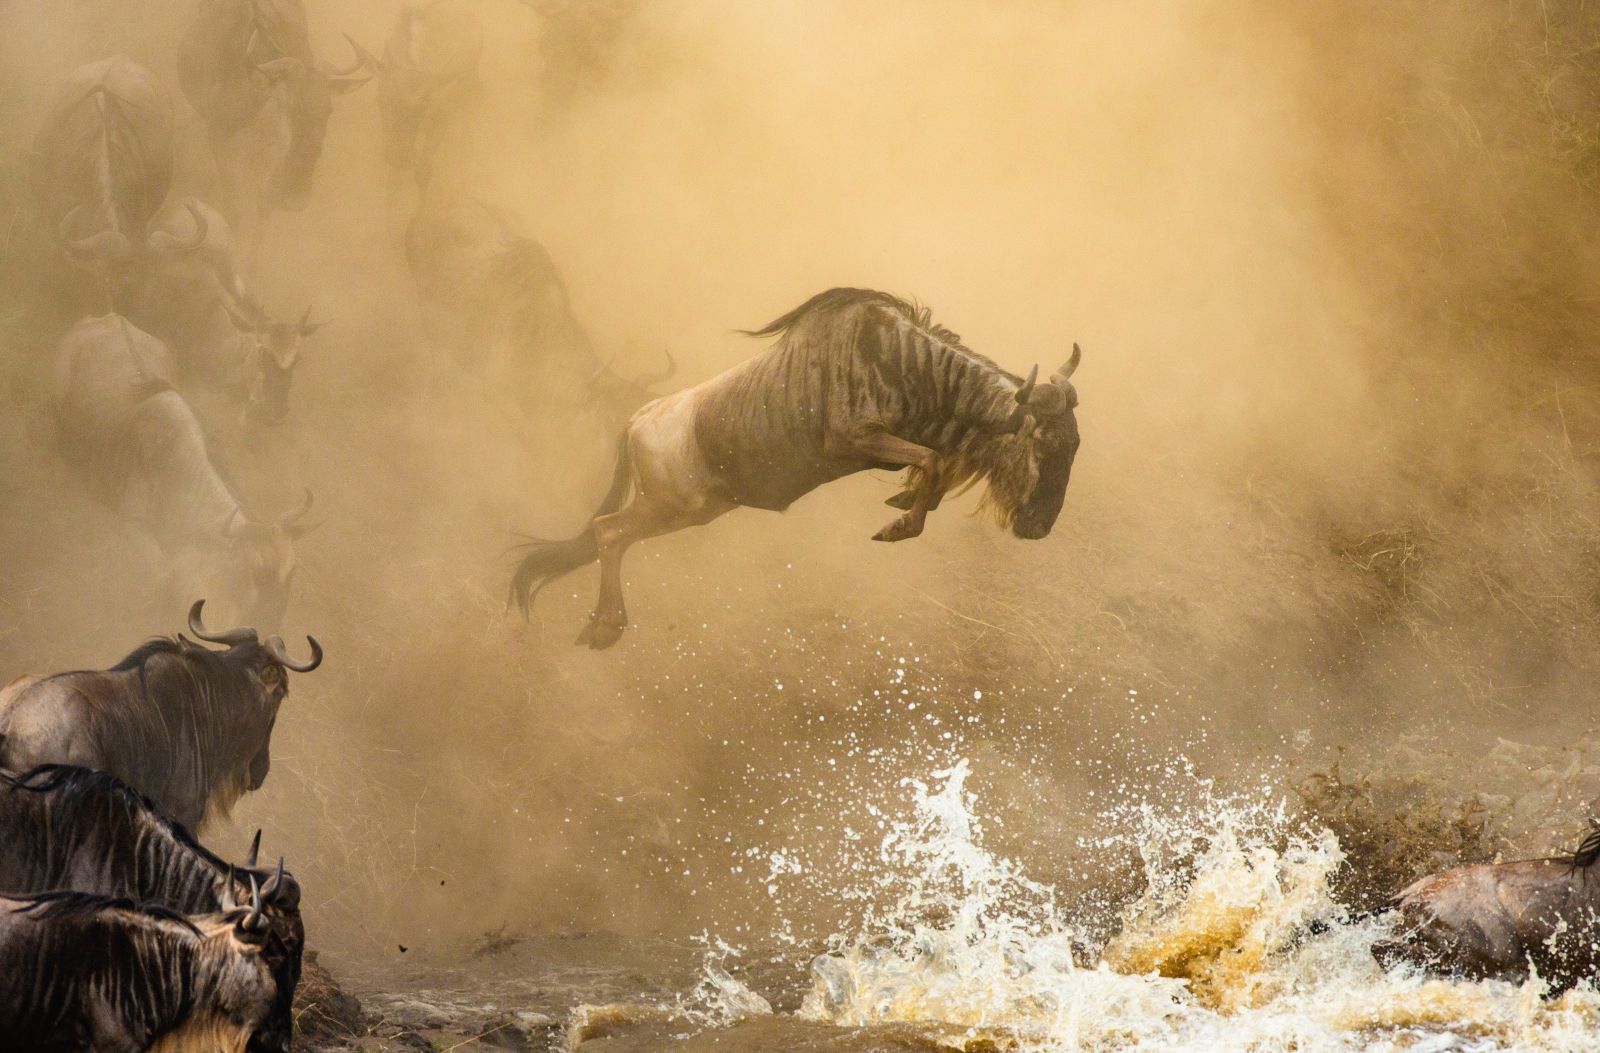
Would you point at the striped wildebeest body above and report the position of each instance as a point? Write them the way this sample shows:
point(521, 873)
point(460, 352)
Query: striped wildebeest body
point(125, 429)
point(246, 66)
point(76, 829)
point(189, 726)
point(93, 974)
point(101, 168)
point(1499, 920)
point(858, 380)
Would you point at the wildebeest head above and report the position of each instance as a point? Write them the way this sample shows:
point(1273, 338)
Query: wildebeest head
point(274, 351)
point(120, 259)
point(307, 91)
point(1031, 466)
point(262, 563)
point(267, 665)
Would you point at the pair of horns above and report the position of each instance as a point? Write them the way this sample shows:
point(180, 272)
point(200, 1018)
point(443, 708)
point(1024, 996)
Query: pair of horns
point(274, 645)
point(276, 889)
point(1052, 400)
point(113, 245)
point(255, 922)
point(248, 317)
point(238, 526)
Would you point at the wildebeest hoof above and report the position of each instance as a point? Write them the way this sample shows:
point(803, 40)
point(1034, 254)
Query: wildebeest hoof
point(903, 500)
point(599, 635)
point(899, 530)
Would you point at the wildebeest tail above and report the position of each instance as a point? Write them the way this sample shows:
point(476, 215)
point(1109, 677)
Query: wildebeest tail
point(548, 560)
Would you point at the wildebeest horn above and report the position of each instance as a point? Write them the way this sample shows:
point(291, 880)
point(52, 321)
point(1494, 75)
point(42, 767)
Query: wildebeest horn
point(306, 326)
point(100, 245)
point(240, 320)
point(274, 647)
point(289, 519)
point(364, 60)
point(1025, 392)
point(163, 244)
point(253, 921)
point(274, 883)
point(231, 637)
point(255, 849)
point(229, 901)
point(1072, 364)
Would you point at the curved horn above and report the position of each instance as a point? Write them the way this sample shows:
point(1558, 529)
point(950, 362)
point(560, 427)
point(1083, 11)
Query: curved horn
point(274, 647)
point(274, 883)
point(1025, 392)
point(253, 921)
point(163, 244)
point(255, 849)
point(291, 518)
point(228, 900)
point(363, 61)
point(103, 244)
point(305, 327)
point(231, 637)
point(1072, 364)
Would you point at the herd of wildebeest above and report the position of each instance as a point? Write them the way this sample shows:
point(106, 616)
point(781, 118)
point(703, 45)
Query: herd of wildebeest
point(118, 931)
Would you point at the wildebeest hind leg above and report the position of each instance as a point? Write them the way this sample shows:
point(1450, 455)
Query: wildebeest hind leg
point(614, 533)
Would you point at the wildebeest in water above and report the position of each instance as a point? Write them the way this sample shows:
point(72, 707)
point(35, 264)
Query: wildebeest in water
point(76, 829)
point(859, 380)
point(91, 974)
point(1498, 920)
point(189, 726)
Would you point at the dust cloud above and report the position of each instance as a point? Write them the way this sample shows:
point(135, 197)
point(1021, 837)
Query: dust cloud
point(1332, 268)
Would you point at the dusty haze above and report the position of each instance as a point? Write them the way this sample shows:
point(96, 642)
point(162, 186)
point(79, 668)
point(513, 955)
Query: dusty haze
point(1333, 274)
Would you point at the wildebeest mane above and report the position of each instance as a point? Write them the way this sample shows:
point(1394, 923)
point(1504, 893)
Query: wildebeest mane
point(68, 903)
point(917, 314)
point(74, 781)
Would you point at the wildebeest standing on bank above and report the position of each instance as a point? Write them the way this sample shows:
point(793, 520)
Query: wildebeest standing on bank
point(247, 68)
point(124, 428)
point(76, 829)
point(90, 974)
point(1496, 920)
point(188, 726)
point(100, 169)
point(859, 380)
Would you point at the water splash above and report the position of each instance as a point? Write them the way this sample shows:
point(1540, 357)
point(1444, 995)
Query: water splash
point(1236, 943)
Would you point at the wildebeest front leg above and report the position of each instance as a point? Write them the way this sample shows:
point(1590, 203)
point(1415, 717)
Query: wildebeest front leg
point(878, 444)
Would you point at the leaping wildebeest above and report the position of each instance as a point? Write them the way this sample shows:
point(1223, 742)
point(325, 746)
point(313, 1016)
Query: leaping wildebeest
point(858, 380)
point(124, 427)
point(92, 974)
point(76, 829)
point(186, 725)
point(1498, 920)
point(247, 68)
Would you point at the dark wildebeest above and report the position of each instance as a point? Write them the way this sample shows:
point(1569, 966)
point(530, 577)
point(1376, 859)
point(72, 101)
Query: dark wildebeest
point(76, 829)
point(428, 79)
point(93, 974)
point(101, 168)
point(221, 339)
point(492, 297)
point(1498, 920)
point(859, 380)
point(123, 426)
point(188, 726)
point(247, 68)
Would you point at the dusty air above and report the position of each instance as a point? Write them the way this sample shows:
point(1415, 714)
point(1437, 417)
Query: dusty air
point(782, 526)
